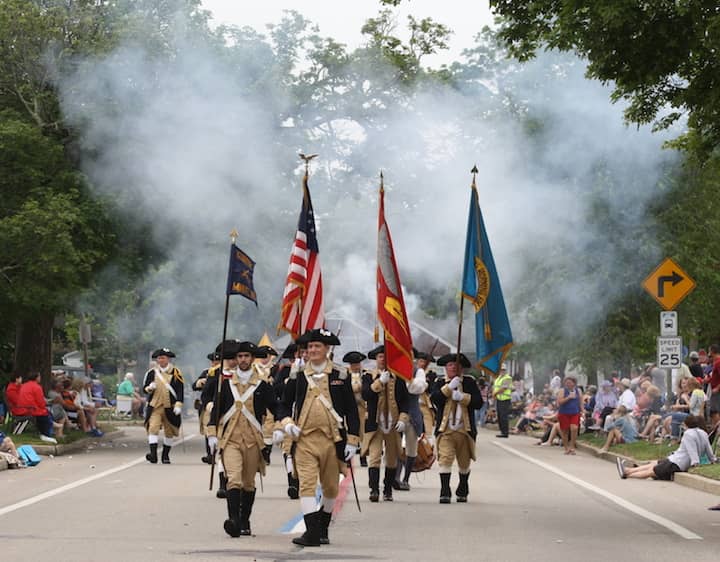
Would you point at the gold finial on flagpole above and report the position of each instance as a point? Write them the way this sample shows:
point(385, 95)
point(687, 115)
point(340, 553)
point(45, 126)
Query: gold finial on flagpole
point(474, 172)
point(233, 235)
point(307, 160)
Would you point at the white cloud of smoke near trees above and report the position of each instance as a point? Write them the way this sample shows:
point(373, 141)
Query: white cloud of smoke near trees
point(205, 158)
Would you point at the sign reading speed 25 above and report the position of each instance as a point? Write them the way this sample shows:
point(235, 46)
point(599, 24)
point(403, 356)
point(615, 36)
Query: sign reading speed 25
point(669, 352)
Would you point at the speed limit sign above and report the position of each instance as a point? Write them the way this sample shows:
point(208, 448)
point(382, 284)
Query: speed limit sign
point(669, 353)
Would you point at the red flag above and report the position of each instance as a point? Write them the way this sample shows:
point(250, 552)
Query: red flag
point(302, 306)
point(390, 302)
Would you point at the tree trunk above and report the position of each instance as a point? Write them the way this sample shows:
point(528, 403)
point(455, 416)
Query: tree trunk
point(33, 347)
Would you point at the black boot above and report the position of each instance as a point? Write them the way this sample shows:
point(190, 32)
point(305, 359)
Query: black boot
point(387, 484)
point(207, 459)
point(363, 460)
point(247, 499)
point(445, 492)
point(374, 483)
point(461, 492)
point(232, 523)
point(311, 536)
point(222, 488)
point(293, 490)
point(324, 518)
point(152, 455)
point(405, 485)
point(266, 450)
point(166, 454)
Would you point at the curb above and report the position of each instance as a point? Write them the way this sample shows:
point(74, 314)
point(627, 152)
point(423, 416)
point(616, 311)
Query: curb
point(3, 464)
point(682, 478)
point(61, 449)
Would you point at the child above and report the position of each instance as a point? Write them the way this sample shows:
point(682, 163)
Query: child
point(622, 430)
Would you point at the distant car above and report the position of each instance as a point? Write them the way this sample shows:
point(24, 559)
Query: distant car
point(73, 372)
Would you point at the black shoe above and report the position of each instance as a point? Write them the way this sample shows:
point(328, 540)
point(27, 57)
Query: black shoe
point(402, 486)
point(325, 519)
point(266, 453)
point(461, 492)
point(247, 500)
point(222, 487)
point(206, 459)
point(293, 490)
point(232, 523)
point(388, 484)
point(311, 536)
point(501, 436)
point(445, 492)
point(152, 455)
point(166, 454)
point(374, 483)
point(363, 461)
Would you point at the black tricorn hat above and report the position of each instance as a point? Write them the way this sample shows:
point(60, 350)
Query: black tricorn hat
point(290, 351)
point(214, 356)
point(354, 357)
point(318, 335)
point(248, 347)
point(451, 358)
point(229, 350)
point(372, 354)
point(162, 351)
point(422, 355)
point(264, 351)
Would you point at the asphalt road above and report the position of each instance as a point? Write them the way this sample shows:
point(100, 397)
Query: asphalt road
point(526, 504)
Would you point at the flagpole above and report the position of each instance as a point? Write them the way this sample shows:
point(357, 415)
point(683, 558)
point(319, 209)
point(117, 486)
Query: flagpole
point(474, 172)
point(216, 400)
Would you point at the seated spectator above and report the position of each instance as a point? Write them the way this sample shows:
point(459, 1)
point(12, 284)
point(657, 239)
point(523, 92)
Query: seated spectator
point(693, 445)
point(97, 391)
point(8, 448)
point(678, 411)
point(649, 404)
point(127, 388)
point(12, 390)
point(83, 398)
point(528, 418)
point(31, 402)
point(627, 396)
point(605, 403)
point(58, 413)
point(74, 410)
point(622, 430)
point(588, 402)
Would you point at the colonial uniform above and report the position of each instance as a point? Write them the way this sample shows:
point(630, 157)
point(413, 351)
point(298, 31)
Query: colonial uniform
point(202, 403)
point(236, 421)
point(280, 376)
point(325, 427)
point(387, 416)
point(413, 430)
point(353, 358)
point(456, 400)
point(164, 388)
point(265, 370)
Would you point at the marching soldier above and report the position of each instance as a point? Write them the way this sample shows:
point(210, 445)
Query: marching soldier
point(387, 417)
point(413, 430)
point(456, 398)
point(427, 408)
point(164, 386)
point(354, 360)
point(289, 363)
point(202, 402)
point(325, 428)
point(235, 427)
point(264, 362)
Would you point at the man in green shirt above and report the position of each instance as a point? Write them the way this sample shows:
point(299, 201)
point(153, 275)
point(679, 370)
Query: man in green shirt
point(127, 388)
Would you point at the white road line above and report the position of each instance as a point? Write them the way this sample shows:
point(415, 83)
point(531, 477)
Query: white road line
point(76, 484)
point(636, 509)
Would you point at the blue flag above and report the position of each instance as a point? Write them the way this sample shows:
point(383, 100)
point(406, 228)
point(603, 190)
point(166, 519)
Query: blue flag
point(240, 274)
point(481, 286)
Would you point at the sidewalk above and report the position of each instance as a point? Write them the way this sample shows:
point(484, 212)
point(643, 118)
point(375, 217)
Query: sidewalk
point(63, 449)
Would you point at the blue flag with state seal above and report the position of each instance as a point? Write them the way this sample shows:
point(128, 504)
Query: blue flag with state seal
point(240, 274)
point(481, 287)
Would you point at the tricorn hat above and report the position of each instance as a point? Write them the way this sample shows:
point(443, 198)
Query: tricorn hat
point(228, 348)
point(373, 353)
point(162, 351)
point(290, 351)
point(354, 357)
point(264, 351)
point(248, 347)
point(214, 356)
point(422, 355)
point(451, 358)
point(318, 335)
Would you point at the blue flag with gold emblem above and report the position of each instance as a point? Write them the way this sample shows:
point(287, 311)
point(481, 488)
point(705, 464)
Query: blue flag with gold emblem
point(240, 274)
point(481, 286)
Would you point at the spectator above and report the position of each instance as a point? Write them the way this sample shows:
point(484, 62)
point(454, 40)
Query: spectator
point(482, 412)
point(97, 391)
point(605, 403)
point(627, 396)
point(678, 411)
point(528, 417)
point(714, 384)
point(693, 446)
point(9, 452)
point(568, 400)
point(12, 390)
point(83, 398)
point(555, 381)
point(622, 430)
point(57, 411)
point(696, 369)
point(74, 410)
point(31, 401)
point(127, 388)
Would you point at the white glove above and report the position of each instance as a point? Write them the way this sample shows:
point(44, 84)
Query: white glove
point(151, 386)
point(177, 410)
point(212, 443)
point(292, 430)
point(200, 382)
point(400, 426)
point(455, 383)
point(278, 436)
point(457, 395)
point(384, 377)
point(350, 452)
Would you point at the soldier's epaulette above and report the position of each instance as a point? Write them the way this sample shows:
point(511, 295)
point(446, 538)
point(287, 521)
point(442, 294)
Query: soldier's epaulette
point(178, 375)
point(213, 371)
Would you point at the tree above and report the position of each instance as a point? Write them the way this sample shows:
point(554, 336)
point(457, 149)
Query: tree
point(660, 56)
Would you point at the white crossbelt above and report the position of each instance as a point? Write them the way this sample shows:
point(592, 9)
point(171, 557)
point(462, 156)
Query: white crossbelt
point(158, 375)
point(325, 402)
point(244, 411)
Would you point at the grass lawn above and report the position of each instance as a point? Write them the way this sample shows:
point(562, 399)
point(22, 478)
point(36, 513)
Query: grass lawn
point(31, 437)
point(707, 470)
point(640, 450)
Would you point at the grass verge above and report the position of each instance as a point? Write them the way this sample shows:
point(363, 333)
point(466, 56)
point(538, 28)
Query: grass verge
point(640, 450)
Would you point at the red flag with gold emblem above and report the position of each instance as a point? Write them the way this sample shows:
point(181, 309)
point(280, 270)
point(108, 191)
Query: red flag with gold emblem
point(390, 303)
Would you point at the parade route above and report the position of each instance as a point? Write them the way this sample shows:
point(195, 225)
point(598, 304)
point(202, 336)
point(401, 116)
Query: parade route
point(526, 503)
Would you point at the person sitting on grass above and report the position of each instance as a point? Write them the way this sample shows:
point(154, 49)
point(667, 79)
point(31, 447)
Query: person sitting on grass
point(622, 430)
point(7, 446)
point(31, 401)
point(74, 410)
point(529, 417)
point(83, 398)
point(693, 445)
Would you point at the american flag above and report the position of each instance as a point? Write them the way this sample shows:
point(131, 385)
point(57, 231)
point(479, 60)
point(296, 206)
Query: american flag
point(302, 306)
